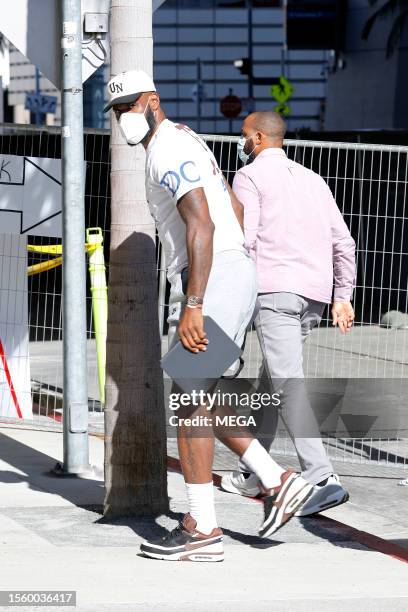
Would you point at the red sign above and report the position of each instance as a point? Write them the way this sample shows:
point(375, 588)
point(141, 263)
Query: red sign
point(231, 106)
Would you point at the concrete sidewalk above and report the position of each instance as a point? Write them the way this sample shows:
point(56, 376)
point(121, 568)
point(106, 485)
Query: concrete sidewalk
point(53, 538)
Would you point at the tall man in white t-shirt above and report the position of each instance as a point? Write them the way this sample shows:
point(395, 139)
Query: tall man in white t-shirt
point(199, 222)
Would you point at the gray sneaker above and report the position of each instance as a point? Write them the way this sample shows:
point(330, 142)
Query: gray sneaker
point(327, 494)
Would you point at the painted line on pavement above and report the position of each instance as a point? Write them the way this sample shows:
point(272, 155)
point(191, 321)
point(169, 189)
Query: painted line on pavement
point(369, 540)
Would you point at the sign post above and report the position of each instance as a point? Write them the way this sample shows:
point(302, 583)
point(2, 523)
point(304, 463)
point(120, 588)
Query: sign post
point(38, 104)
point(231, 107)
point(76, 451)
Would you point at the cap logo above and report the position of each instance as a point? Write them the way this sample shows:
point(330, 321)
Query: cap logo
point(116, 87)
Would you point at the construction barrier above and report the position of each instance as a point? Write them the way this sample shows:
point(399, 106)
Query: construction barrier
point(369, 183)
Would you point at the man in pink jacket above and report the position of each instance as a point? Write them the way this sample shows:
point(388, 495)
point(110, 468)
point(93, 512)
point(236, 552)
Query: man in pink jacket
point(300, 243)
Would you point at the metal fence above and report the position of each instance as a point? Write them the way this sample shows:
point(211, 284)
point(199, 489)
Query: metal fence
point(43, 289)
point(370, 186)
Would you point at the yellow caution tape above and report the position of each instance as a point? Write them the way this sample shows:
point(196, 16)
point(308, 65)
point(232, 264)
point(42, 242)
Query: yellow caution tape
point(49, 249)
point(44, 266)
point(55, 249)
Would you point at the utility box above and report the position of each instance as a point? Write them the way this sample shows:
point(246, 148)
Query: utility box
point(96, 23)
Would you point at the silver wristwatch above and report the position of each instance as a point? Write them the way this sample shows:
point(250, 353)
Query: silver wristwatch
point(193, 301)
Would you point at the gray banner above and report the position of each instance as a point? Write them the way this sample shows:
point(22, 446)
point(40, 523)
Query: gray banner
point(37, 598)
point(339, 408)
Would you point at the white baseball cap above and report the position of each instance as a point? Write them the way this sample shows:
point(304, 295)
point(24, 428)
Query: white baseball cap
point(127, 87)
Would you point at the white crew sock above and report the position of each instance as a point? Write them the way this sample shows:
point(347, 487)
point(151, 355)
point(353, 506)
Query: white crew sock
point(201, 505)
point(261, 463)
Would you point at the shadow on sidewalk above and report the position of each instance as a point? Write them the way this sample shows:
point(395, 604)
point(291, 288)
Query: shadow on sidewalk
point(147, 527)
point(319, 528)
point(36, 467)
point(88, 494)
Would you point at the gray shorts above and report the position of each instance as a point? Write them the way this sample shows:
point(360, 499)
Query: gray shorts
point(229, 299)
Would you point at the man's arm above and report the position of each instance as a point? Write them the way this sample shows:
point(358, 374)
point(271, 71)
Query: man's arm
point(193, 208)
point(344, 268)
point(247, 193)
point(236, 205)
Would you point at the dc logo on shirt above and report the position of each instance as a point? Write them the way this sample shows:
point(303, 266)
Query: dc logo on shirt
point(188, 172)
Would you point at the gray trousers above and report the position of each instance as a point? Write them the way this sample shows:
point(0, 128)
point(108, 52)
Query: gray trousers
point(284, 322)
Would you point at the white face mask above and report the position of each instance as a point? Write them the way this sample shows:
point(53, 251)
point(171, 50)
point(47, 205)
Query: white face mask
point(244, 157)
point(134, 126)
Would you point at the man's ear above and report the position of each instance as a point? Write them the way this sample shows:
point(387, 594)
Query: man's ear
point(155, 101)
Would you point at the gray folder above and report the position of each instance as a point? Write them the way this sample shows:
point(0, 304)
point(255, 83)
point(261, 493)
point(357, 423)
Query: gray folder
point(198, 371)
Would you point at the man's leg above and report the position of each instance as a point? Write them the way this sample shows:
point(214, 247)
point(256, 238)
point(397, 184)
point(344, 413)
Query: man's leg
point(284, 491)
point(269, 419)
point(196, 452)
point(281, 334)
point(316, 466)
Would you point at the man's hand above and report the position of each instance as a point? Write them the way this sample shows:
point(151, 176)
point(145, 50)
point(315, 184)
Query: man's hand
point(191, 330)
point(343, 315)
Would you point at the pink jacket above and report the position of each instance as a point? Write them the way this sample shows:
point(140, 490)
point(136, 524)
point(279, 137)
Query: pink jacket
point(293, 229)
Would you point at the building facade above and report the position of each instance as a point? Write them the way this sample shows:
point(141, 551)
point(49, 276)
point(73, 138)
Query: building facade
point(371, 93)
point(207, 36)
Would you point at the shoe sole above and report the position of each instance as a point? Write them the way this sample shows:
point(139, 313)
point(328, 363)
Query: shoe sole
point(281, 513)
point(324, 506)
point(230, 488)
point(212, 553)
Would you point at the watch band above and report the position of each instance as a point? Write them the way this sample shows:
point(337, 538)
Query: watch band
point(193, 301)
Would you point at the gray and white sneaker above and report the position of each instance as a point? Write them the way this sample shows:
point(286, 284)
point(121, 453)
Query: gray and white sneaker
point(186, 543)
point(241, 483)
point(327, 494)
point(281, 503)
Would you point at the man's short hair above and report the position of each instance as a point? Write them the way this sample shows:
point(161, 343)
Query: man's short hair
point(269, 123)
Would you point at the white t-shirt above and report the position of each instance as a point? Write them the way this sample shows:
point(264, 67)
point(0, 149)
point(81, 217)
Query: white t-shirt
point(177, 161)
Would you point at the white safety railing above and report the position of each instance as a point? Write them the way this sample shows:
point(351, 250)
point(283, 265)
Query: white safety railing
point(370, 186)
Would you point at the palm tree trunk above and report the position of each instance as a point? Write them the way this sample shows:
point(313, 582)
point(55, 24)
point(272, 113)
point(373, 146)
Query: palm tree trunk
point(135, 437)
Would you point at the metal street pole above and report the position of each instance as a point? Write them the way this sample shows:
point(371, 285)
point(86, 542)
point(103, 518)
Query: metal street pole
point(76, 452)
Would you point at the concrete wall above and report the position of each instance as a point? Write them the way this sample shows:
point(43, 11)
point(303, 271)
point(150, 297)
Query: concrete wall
point(371, 92)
